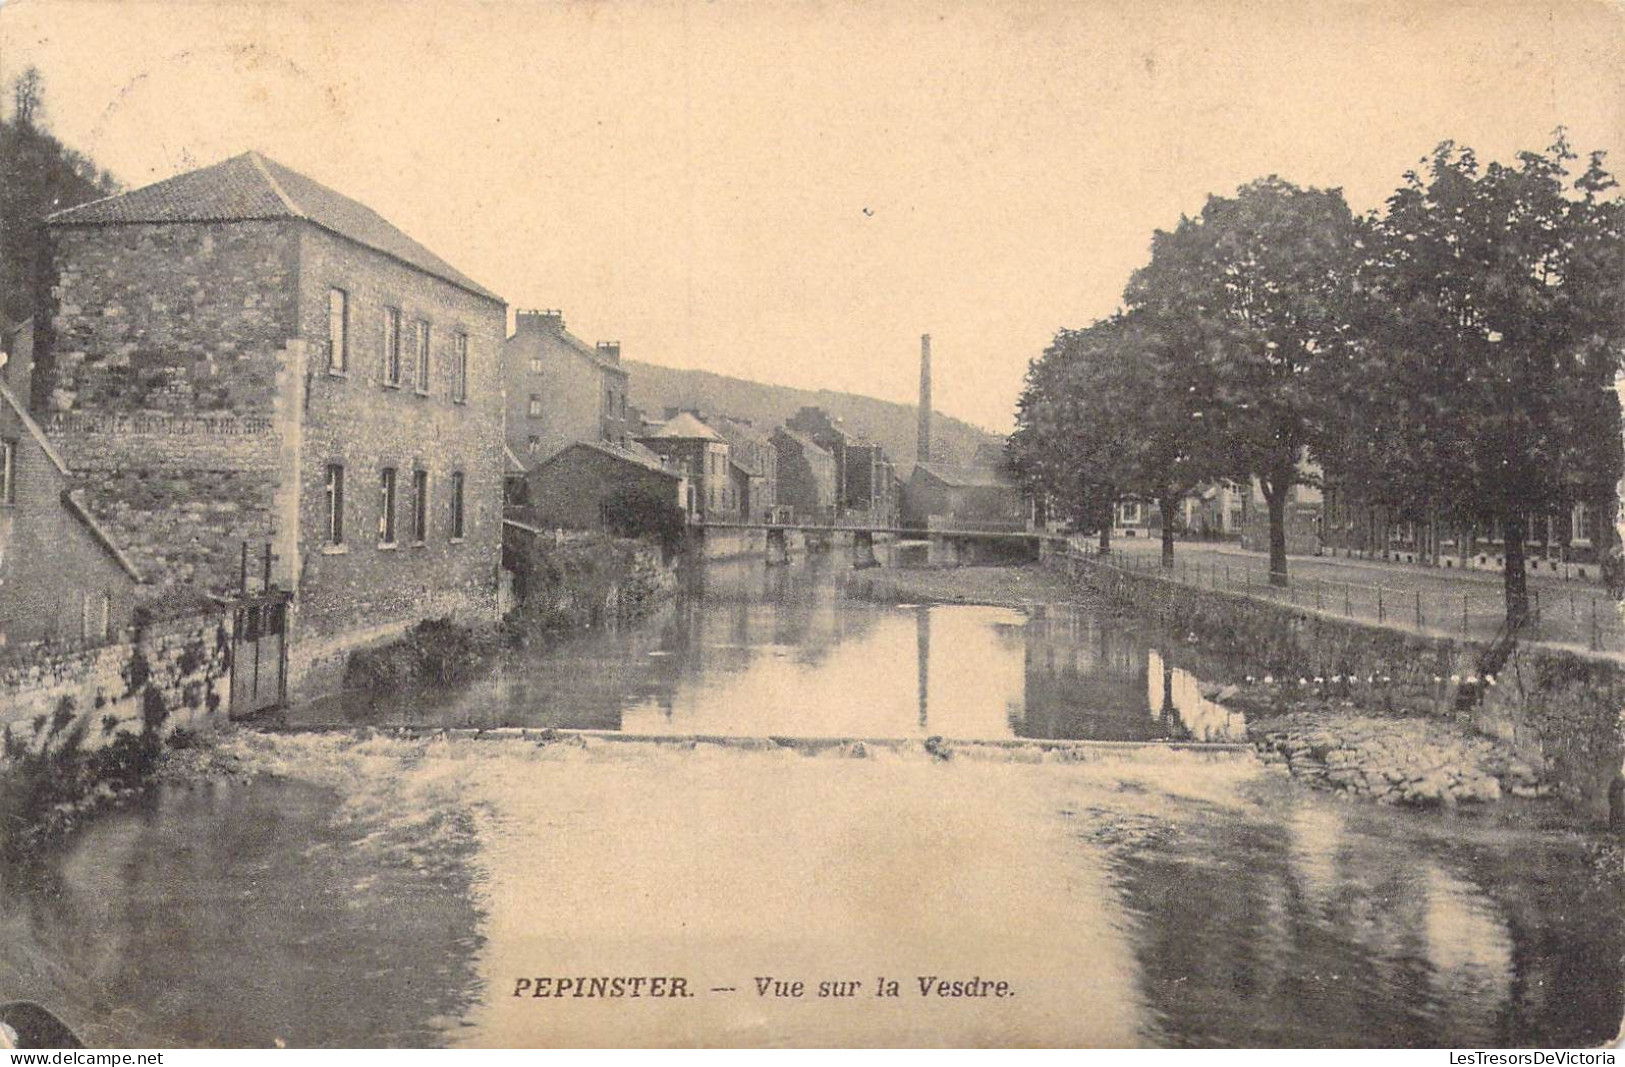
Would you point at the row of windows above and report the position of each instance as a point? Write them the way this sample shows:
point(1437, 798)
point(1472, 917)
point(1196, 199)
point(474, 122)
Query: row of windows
point(395, 355)
point(417, 518)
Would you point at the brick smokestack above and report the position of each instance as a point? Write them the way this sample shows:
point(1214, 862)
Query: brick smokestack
point(924, 433)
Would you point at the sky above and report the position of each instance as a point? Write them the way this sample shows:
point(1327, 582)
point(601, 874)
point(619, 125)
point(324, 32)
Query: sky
point(794, 192)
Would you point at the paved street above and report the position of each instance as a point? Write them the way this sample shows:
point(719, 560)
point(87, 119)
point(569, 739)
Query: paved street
point(1451, 602)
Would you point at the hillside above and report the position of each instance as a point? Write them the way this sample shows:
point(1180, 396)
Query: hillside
point(656, 388)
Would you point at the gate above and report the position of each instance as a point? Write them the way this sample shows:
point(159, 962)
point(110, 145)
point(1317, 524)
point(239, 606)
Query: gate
point(259, 653)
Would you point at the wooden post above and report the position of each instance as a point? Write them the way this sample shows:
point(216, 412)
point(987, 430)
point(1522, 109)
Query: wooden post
point(1419, 609)
point(1465, 632)
point(1379, 604)
point(1347, 608)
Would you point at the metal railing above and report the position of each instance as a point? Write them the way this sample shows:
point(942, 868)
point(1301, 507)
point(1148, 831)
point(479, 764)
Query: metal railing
point(1575, 617)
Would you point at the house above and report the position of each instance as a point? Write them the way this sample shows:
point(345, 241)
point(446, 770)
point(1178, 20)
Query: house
point(577, 486)
point(239, 355)
point(871, 485)
point(1136, 516)
point(962, 497)
point(61, 577)
point(701, 455)
point(755, 462)
point(561, 389)
point(807, 476)
point(1214, 512)
point(826, 431)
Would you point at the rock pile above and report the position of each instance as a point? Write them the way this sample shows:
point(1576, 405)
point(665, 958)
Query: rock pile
point(1394, 760)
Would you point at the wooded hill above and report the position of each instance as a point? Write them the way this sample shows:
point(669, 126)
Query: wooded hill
point(656, 388)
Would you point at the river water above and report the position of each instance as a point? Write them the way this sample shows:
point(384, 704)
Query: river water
point(394, 892)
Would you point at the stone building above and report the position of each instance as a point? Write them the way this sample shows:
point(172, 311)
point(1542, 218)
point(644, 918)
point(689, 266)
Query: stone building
point(826, 431)
point(573, 488)
point(61, 577)
point(962, 497)
point(700, 454)
point(871, 485)
point(806, 476)
point(755, 462)
point(240, 355)
point(561, 389)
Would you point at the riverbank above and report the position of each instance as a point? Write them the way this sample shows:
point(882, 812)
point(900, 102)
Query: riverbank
point(1368, 741)
point(1554, 711)
point(993, 586)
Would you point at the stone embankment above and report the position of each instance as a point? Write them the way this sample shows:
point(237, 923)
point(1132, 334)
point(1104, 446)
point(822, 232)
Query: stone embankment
point(1394, 760)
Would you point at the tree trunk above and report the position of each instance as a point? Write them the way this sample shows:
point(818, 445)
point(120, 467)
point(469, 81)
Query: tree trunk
point(1516, 579)
point(1605, 541)
point(1105, 548)
point(1168, 508)
point(1276, 499)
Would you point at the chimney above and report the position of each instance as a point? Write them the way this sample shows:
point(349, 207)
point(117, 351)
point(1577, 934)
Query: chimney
point(610, 350)
point(923, 439)
point(544, 321)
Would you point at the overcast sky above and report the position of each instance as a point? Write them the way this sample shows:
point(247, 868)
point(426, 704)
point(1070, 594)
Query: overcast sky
point(794, 193)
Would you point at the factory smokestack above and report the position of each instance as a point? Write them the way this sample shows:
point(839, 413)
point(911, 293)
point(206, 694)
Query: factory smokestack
point(923, 447)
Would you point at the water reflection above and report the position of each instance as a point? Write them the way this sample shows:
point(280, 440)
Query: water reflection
point(237, 915)
point(783, 651)
point(1313, 922)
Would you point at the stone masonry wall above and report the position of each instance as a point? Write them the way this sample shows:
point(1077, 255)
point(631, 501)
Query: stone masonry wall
point(1559, 712)
point(185, 662)
point(364, 591)
point(168, 318)
point(166, 380)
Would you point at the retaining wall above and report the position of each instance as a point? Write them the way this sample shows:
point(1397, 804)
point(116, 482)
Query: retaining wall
point(1562, 712)
point(186, 663)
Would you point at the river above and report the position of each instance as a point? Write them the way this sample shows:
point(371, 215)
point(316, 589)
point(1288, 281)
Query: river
point(394, 891)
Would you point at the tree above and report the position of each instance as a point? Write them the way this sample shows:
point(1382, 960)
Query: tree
point(638, 511)
point(27, 97)
point(1076, 438)
point(1168, 389)
point(38, 175)
point(1499, 292)
point(1256, 288)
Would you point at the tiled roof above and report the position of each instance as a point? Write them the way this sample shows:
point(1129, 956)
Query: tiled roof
point(249, 187)
point(967, 476)
point(741, 435)
point(642, 458)
point(685, 426)
point(806, 443)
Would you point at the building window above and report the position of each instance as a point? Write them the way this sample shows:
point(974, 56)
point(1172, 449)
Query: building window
point(534, 444)
point(335, 504)
point(338, 331)
point(386, 506)
point(459, 380)
point(457, 505)
point(423, 357)
point(535, 409)
point(420, 506)
point(392, 346)
point(536, 364)
point(8, 471)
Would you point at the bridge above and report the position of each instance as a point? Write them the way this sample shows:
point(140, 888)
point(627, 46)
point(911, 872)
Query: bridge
point(951, 545)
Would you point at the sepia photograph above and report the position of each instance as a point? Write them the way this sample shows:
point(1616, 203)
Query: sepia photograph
point(812, 523)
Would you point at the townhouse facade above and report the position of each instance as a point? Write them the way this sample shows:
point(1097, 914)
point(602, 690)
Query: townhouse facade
point(560, 389)
point(755, 464)
point(240, 359)
point(807, 477)
point(702, 456)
